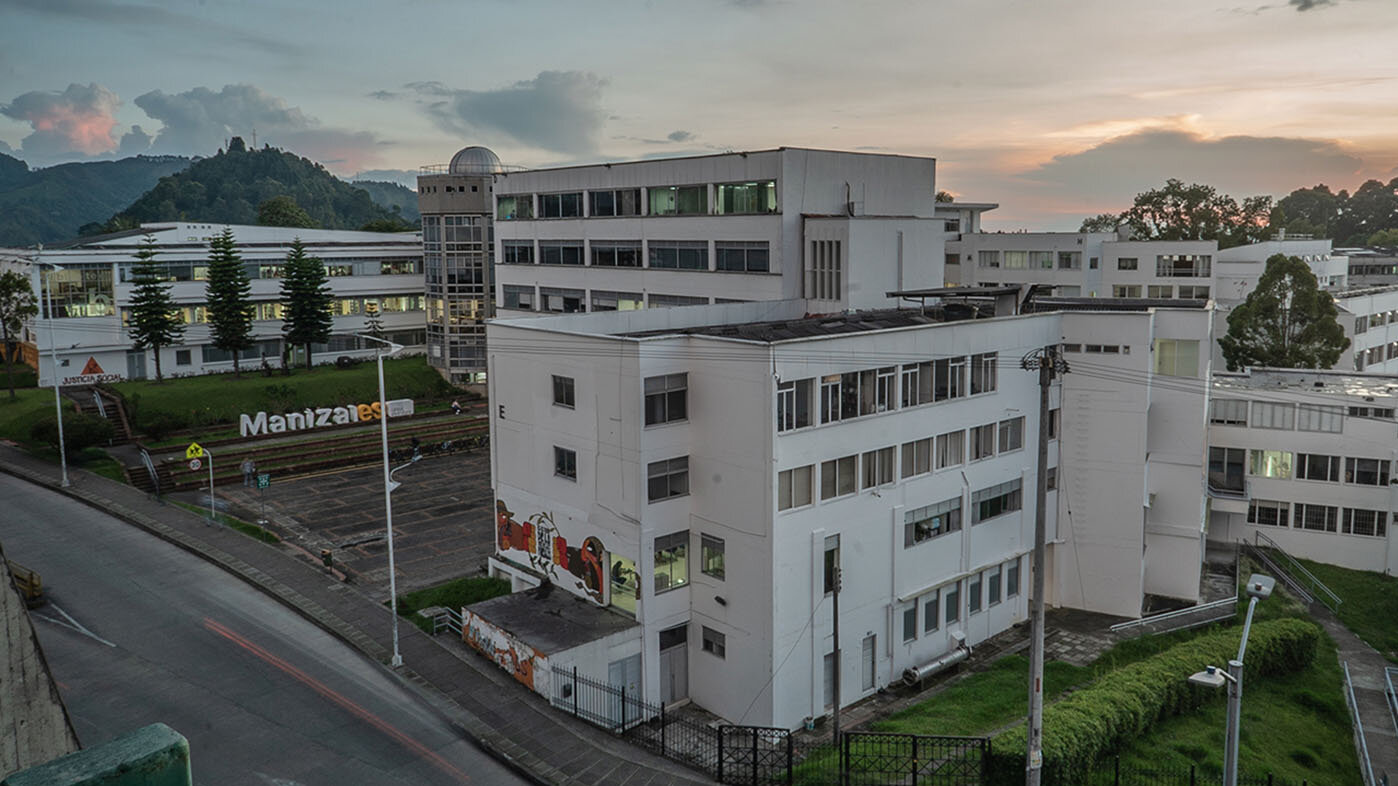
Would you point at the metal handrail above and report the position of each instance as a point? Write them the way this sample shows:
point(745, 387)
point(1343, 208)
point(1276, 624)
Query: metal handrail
point(1391, 696)
point(1368, 771)
point(1316, 584)
point(1169, 615)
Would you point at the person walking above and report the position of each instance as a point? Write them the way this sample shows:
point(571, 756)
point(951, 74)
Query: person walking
point(455, 407)
point(249, 471)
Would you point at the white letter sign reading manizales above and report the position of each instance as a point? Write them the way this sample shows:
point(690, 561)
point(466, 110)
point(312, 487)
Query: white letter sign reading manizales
point(308, 418)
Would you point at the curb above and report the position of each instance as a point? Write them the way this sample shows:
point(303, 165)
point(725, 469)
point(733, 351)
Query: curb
point(496, 745)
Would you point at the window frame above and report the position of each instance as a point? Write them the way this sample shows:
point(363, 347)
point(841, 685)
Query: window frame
point(564, 392)
point(677, 545)
point(565, 463)
point(675, 472)
point(671, 394)
point(710, 545)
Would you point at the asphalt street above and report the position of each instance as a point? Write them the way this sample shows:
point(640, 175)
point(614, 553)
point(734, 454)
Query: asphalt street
point(138, 631)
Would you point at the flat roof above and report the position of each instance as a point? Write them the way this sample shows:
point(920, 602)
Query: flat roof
point(1042, 304)
point(815, 325)
point(552, 620)
point(1355, 384)
point(743, 153)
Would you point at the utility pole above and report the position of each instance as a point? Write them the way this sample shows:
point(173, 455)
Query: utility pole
point(1049, 364)
point(835, 612)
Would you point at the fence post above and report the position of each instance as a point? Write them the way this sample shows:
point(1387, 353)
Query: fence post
point(844, 759)
point(719, 731)
point(1116, 771)
point(1269, 779)
point(575, 691)
point(623, 710)
point(789, 758)
point(662, 728)
point(914, 759)
point(1191, 775)
point(755, 781)
point(985, 759)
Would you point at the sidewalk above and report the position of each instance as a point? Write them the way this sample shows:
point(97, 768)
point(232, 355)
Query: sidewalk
point(513, 724)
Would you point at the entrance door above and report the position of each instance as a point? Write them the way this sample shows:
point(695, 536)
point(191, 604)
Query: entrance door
point(135, 365)
point(625, 674)
point(674, 664)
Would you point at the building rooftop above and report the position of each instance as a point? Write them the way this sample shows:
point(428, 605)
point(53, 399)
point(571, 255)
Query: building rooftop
point(551, 620)
point(1329, 382)
point(816, 325)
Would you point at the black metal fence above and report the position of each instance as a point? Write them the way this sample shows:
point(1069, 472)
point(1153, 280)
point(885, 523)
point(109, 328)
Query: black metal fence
point(874, 758)
point(1114, 773)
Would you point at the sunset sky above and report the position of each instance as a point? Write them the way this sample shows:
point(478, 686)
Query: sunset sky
point(1056, 109)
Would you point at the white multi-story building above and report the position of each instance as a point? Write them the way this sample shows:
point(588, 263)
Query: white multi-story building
point(1306, 458)
point(91, 291)
point(704, 471)
point(839, 229)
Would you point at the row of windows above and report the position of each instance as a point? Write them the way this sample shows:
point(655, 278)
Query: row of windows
point(1363, 323)
point(1031, 260)
point(666, 397)
point(1161, 291)
point(664, 479)
point(1375, 355)
point(730, 256)
point(1227, 465)
point(1328, 418)
point(743, 198)
point(1321, 518)
point(867, 392)
point(334, 268)
point(274, 310)
point(570, 301)
point(943, 604)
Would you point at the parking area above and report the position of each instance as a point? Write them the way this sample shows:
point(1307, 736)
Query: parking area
point(443, 521)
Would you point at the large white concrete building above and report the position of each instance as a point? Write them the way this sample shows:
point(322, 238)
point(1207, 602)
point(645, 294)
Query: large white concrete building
point(703, 470)
point(837, 228)
point(91, 290)
point(1306, 458)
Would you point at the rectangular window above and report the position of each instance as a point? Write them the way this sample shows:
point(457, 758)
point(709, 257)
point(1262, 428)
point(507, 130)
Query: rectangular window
point(616, 253)
point(878, 468)
point(1016, 260)
point(515, 252)
point(1012, 577)
point(997, 500)
point(983, 441)
point(1011, 434)
point(885, 394)
point(182, 357)
point(615, 202)
point(1268, 414)
point(1273, 514)
point(617, 301)
point(561, 301)
point(832, 563)
point(1126, 290)
point(741, 257)
point(952, 596)
point(1313, 466)
point(1051, 479)
point(678, 200)
point(678, 254)
point(1177, 357)
point(1229, 412)
point(837, 477)
point(565, 463)
point(657, 300)
point(711, 556)
point(794, 487)
point(917, 457)
point(1321, 518)
point(930, 521)
point(830, 385)
point(1320, 417)
point(1070, 260)
point(1226, 468)
point(948, 378)
point(513, 207)
point(712, 642)
point(1365, 522)
point(1183, 265)
point(988, 259)
point(752, 197)
point(561, 253)
point(563, 392)
point(671, 561)
point(823, 273)
point(973, 594)
point(1193, 292)
point(1041, 260)
point(1055, 422)
point(1367, 472)
point(984, 370)
point(567, 205)
point(930, 609)
point(917, 384)
point(1126, 263)
point(1361, 324)
point(1271, 463)
point(951, 449)
point(1160, 291)
point(517, 297)
point(667, 479)
point(992, 584)
point(667, 399)
point(910, 622)
point(794, 404)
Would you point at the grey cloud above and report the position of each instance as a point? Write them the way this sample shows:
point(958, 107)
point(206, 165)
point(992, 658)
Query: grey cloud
point(557, 110)
point(142, 16)
point(78, 120)
point(200, 120)
point(383, 95)
point(134, 142)
point(1306, 5)
point(5, 148)
point(680, 136)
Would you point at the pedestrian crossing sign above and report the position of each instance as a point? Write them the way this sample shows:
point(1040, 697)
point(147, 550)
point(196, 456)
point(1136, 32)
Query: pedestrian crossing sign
point(194, 451)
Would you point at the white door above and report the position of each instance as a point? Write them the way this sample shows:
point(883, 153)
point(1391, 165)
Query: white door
point(674, 664)
point(866, 663)
point(625, 674)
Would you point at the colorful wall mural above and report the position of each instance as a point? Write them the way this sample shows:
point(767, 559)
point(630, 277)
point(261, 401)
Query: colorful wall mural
point(536, 540)
point(511, 654)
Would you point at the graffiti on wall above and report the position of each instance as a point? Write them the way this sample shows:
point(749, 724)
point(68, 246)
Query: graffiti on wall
point(548, 552)
point(514, 656)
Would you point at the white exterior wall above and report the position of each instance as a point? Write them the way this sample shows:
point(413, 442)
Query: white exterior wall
point(1370, 319)
point(1084, 282)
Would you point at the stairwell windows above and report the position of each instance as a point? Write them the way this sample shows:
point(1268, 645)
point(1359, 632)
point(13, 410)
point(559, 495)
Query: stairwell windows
point(1365, 522)
point(711, 550)
point(1268, 512)
point(671, 561)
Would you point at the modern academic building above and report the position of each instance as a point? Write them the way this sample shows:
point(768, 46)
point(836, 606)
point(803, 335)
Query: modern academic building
point(88, 282)
point(693, 477)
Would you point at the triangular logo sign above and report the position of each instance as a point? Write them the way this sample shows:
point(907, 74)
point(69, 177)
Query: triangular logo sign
point(92, 367)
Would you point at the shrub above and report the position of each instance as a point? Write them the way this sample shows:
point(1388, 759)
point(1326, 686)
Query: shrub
point(1095, 721)
point(79, 431)
point(159, 425)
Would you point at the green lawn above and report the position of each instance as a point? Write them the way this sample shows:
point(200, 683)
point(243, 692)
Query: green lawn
point(217, 399)
point(17, 416)
point(453, 595)
point(1370, 607)
point(983, 702)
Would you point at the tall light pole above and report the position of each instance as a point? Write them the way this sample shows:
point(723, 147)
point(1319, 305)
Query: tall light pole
point(1258, 587)
point(53, 355)
point(388, 486)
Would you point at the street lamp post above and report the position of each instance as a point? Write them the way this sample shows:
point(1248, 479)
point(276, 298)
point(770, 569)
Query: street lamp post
point(53, 355)
point(1258, 588)
point(388, 486)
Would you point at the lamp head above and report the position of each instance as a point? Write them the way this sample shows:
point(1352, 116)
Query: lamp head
point(1260, 586)
point(1210, 677)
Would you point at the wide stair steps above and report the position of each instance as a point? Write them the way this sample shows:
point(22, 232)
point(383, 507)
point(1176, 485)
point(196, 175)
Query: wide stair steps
point(99, 403)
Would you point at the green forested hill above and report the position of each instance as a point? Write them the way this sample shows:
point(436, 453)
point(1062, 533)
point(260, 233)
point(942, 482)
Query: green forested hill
point(228, 187)
point(392, 195)
point(48, 205)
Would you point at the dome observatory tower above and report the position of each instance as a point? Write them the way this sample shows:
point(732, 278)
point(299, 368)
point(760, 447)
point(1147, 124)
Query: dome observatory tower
point(458, 260)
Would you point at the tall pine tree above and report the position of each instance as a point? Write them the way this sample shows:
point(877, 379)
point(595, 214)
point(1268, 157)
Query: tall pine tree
point(306, 300)
point(155, 323)
point(229, 297)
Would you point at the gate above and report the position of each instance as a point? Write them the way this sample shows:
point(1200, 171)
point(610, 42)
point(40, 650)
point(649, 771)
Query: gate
point(753, 755)
point(878, 758)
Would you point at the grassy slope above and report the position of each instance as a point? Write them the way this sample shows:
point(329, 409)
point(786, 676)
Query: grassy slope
point(453, 595)
point(1370, 606)
point(16, 417)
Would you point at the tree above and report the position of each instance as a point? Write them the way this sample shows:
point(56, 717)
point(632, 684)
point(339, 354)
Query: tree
point(16, 305)
point(388, 225)
point(943, 197)
point(306, 300)
point(373, 320)
point(1286, 321)
point(282, 211)
point(1387, 238)
point(1102, 222)
point(228, 295)
point(1197, 212)
point(155, 322)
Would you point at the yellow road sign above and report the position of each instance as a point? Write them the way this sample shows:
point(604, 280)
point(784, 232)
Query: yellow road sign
point(194, 451)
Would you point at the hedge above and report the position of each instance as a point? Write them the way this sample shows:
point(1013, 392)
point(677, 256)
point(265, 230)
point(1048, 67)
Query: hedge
point(1097, 720)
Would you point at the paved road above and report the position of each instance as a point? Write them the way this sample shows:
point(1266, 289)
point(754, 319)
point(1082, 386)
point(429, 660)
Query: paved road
point(139, 631)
